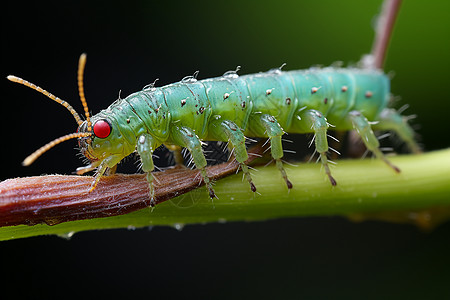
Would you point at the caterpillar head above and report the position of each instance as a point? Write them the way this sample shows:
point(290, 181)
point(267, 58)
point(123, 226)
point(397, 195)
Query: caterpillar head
point(104, 139)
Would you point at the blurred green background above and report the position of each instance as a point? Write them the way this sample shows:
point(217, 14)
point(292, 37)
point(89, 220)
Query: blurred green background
point(130, 44)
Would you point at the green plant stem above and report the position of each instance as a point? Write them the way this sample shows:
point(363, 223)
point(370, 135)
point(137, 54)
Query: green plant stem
point(364, 186)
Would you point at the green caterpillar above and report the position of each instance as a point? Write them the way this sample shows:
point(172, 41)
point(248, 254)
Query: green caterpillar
point(231, 107)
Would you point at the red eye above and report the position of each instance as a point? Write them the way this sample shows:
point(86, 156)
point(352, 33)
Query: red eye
point(102, 129)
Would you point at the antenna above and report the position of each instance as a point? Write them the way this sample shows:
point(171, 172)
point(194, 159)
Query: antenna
point(42, 91)
point(31, 158)
point(81, 65)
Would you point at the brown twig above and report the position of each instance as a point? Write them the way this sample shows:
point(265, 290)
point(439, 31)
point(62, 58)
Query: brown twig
point(55, 199)
point(384, 29)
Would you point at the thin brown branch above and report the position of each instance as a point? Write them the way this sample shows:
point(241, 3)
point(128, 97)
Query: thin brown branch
point(384, 29)
point(55, 199)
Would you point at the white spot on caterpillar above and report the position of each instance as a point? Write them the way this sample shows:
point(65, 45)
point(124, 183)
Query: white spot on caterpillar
point(269, 91)
point(315, 89)
point(226, 95)
point(344, 88)
point(183, 102)
point(157, 109)
point(142, 139)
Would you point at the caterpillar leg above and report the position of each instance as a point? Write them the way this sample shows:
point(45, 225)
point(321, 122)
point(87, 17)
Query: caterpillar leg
point(88, 168)
point(274, 131)
point(319, 125)
point(93, 166)
point(392, 120)
point(109, 162)
point(229, 131)
point(363, 128)
point(145, 147)
point(186, 137)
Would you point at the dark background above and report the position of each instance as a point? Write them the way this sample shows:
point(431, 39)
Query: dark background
point(129, 45)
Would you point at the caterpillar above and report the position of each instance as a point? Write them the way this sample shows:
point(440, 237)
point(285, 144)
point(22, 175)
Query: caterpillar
point(231, 108)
